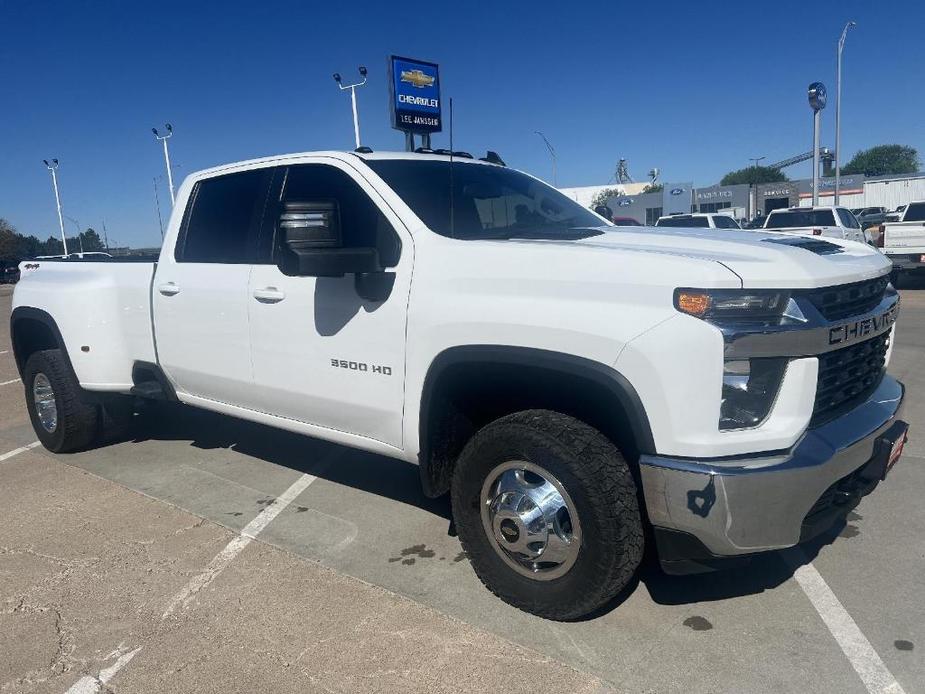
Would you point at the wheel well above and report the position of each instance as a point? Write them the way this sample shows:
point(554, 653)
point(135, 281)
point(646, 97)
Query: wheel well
point(30, 335)
point(467, 391)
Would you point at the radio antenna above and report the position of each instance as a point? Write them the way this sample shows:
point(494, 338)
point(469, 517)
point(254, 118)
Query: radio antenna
point(452, 205)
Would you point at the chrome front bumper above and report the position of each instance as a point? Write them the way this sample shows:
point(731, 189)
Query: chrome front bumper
point(742, 505)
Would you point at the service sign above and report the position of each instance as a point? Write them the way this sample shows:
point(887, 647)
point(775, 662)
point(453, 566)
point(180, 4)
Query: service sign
point(415, 95)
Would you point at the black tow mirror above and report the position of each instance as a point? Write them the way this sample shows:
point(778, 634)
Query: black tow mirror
point(312, 245)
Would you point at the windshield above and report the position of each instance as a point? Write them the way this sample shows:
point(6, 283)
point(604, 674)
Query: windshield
point(800, 218)
point(488, 201)
point(687, 222)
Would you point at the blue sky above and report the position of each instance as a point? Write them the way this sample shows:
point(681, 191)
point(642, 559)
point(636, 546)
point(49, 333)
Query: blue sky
point(692, 88)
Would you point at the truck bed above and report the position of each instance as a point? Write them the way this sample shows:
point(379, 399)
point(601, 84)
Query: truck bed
point(102, 309)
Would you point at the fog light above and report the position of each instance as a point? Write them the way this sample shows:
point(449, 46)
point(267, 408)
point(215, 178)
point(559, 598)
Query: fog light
point(749, 390)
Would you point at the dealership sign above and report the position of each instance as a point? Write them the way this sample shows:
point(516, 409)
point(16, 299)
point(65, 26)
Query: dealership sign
point(414, 93)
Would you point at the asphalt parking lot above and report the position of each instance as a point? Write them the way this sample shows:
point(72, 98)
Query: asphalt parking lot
point(210, 554)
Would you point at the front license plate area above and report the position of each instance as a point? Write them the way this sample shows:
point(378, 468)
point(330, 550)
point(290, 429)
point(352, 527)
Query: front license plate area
point(887, 451)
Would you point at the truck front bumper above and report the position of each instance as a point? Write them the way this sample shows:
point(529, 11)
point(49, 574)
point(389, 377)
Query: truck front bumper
point(705, 510)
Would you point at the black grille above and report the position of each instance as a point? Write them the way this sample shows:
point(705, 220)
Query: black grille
point(846, 300)
point(847, 376)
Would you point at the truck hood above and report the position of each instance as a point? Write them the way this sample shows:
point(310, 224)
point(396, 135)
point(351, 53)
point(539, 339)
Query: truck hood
point(761, 259)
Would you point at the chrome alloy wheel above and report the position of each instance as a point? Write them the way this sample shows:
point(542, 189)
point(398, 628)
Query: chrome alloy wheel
point(530, 520)
point(45, 406)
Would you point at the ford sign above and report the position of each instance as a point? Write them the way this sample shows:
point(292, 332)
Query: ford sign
point(676, 191)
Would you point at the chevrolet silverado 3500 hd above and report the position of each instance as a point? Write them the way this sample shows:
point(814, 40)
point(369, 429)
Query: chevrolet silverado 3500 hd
point(575, 388)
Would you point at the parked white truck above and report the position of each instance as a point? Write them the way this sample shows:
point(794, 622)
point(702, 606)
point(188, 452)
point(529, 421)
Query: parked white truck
point(903, 242)
point(574, 387)
point(830, 222)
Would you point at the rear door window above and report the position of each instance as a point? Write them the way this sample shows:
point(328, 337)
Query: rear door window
point(724, 222)
point(847, 219)
point(800, 218)
point(915, 213)
point(222, 219)
point(684, 222)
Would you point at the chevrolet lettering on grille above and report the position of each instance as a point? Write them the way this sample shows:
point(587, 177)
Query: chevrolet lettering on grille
point(864, 328)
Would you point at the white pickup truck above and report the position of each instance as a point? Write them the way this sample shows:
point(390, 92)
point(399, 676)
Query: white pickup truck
point(903, 242)
point(830, 222)
point(578, 390)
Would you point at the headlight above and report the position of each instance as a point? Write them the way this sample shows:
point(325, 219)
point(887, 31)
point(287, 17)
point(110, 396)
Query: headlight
point(733, 305)
point(749, 389)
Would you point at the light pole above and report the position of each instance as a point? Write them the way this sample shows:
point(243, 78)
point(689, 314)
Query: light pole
point(754, 161)
point(552, 153)
point(353, 100)
point(157, 205)
point(79, 237)
point(817, 98)
point(53, 167)
point(164, 138)
point(841, 47)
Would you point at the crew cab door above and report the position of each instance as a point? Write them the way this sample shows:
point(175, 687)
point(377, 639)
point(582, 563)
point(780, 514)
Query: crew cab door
point(321, 353)
point(200, 292)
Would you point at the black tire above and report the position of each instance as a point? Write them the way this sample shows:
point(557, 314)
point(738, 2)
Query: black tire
point(599, 482)
point(77, 421)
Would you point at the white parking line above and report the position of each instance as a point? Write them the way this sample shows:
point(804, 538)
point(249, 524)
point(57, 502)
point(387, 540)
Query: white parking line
point(4, 351)
point(17, 451)
point(6, 383)
point(862, 656)
point(233, 548)
point(91, 685)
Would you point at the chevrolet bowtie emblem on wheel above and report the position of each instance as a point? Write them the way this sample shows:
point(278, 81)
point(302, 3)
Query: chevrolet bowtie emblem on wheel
point(417, 78)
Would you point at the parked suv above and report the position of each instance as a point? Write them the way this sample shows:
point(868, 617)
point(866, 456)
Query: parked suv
point(575, 388)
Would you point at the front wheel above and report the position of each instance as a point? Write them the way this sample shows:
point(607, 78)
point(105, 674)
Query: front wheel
point(545, 507)
point(61, 419)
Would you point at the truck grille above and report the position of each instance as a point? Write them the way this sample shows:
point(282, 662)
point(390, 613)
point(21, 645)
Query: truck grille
point(846, 300)
point(847, 376)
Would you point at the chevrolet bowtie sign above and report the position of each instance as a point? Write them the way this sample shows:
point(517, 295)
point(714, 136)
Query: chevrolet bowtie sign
point(415, 95)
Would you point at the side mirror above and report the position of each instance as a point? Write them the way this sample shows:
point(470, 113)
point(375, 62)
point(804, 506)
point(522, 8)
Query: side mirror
point(312, 246)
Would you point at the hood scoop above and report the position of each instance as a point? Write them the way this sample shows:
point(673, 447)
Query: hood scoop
point(811, 245)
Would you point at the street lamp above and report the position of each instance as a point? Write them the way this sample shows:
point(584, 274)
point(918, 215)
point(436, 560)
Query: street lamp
point(817, 98)
point(53, 167)
point(79, 235)
point(353, 100)
point(164, 138)
point(841, 46)
point(754, 161)
point(552, 153)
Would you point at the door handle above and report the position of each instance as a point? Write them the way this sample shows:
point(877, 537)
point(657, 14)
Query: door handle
point(168, 289)
point(269, 295)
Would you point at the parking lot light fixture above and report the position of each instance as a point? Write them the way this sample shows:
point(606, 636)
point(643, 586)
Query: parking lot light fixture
point(841, 47)
point(53, 168)
point(353, 100)
point(164, 138)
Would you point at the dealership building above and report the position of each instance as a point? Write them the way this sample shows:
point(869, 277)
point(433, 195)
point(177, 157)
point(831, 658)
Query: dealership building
point(743, 201)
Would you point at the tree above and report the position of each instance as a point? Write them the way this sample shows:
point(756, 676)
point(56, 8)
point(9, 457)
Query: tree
point(603, 196)
point(883, 160)
point(653, 188)
point(9, 241)
point(753, 175)
point(90, 241)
